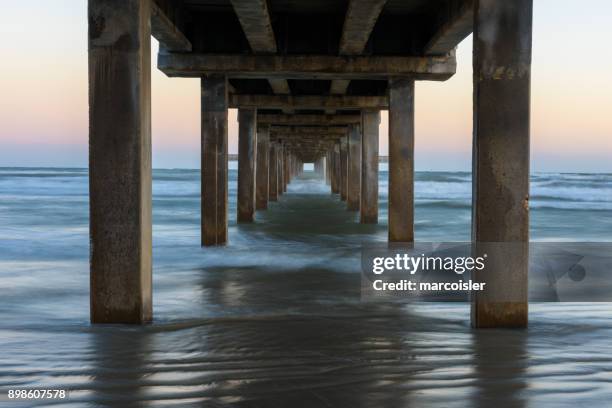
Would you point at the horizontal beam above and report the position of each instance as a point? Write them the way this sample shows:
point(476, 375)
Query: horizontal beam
point(308, 151)
point(437, 68)
point(308, 120)
point(361, 16)
point(255, 21)
point(360, 19)
point(314, 141)
point(455, 23)
point(254, 18)
point(166, 32)
point(307, 138)
point(339, 102)
point(300, 130)
point(309, 148)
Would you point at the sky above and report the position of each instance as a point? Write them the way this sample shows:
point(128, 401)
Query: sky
point(44, 104)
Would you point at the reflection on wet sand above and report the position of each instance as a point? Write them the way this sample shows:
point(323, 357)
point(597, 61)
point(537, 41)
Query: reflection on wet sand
point(499, 369)
point(276, 320)
point(301, 347)
point(120, 371)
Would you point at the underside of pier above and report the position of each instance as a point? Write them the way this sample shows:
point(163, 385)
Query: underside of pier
point(309, 79)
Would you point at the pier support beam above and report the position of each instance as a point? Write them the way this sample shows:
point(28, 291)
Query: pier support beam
point(214, 160)
point(281, 170)
point(327, 168)
point(273, 175)
point(262, 184)
point(247, 150)
point(319, 167)
point(502, 76)
point(343, 168)
point(354, 169)
point(120, 161)
point(369, 166)
point(401, 161)
point(287, 168)
point(336, 169)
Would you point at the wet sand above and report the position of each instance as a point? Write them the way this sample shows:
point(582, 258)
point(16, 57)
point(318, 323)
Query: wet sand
point(276, 319)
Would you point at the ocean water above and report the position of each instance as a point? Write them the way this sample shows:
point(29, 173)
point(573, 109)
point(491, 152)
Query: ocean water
point(275, 319)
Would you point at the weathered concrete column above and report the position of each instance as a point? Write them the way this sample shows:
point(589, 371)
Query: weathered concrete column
point(322, 165)
point(330, 170)
point(262, 183)
point(281, 169)
point(214, 160)
point(401, 161)
point(502, 76)
point(370, 120)
point(335, 176)
point(343, 168)
point(287, 163)
point(318, 167)
point(120, 161)
point(293, 166)
point(247, 151)
point(273, 175)
point(353, 196)
point(327, 168)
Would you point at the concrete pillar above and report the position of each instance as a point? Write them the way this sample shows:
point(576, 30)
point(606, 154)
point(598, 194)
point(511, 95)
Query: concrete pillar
point(335, 170)
point(281, 169)
point(293, 162)
point(120, 161)
point(353, 196)
point(401, 161)
point(247, 151)
point(319, 167)
point(273, 192)
point(370, 120)
point(322, 162)
point(330, 170)
point(343, 168)
point(214, 160)
point(327, 168)
point(287, 157)
point(286, 168)
point(262, 184)
point(500, 208)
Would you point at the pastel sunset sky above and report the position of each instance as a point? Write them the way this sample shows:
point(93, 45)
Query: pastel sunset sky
point(43, 94)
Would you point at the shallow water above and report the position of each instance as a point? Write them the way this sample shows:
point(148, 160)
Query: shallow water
point(275, 319)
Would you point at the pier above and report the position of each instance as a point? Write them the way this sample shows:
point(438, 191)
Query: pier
point(309, 79)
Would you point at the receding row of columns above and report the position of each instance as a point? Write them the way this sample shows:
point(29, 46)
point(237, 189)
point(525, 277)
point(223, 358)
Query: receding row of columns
point(121, 175)
point(265, 167)
point(352, 167)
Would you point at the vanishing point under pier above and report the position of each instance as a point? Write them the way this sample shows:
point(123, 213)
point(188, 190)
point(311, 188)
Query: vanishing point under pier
point(309, 79)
